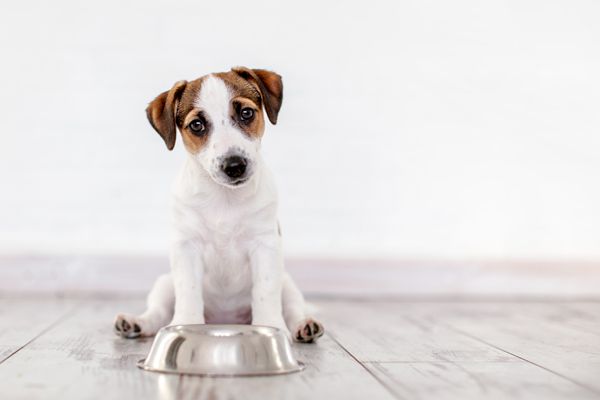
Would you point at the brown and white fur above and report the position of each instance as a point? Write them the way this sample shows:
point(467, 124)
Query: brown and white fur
point(226, 253)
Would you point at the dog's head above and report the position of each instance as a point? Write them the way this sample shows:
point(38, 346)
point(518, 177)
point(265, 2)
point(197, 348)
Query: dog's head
point(221, 120)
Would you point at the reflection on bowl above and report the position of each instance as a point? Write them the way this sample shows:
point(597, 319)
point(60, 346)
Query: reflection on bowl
point(221, 350)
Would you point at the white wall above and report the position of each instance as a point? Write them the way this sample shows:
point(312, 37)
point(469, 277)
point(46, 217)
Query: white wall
point(409, 129)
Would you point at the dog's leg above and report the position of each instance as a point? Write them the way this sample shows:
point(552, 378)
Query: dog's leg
point(267, 278)
point(304, 329)
point(158, 313)
point(187, 270)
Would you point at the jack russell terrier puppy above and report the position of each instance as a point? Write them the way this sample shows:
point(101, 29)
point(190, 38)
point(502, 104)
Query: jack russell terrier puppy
point(226, 253)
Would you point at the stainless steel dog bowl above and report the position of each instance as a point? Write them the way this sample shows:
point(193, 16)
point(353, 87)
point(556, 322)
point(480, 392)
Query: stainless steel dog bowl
point(221, 350)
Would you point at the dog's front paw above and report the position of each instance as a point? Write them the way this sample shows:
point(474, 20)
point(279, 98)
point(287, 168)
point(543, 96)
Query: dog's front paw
point(127, 326)
point(308, 331)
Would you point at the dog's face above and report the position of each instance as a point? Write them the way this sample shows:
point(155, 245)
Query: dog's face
point(221, 119)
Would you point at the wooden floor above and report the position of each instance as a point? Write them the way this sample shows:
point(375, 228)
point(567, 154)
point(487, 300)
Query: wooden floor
point(426, 349)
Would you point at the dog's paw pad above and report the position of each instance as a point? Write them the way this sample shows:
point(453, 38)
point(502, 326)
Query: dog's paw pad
point(309, 331)
point(127, 327)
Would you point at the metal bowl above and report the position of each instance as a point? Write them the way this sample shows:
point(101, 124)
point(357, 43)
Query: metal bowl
point(221, 350)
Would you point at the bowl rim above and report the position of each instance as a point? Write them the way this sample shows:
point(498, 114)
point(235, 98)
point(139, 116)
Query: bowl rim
point(246, 328)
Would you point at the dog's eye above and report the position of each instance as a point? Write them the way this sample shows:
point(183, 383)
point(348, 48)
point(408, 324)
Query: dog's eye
point(197, 126)
point(246, 114)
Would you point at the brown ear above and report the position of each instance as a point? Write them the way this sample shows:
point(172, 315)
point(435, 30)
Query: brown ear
point(270, 85)
point(161, 113)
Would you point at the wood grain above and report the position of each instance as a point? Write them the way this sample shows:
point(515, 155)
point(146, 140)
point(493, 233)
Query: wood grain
point(373, 349)
point(558, 337)
point(23, 320)
point(81, 358)
point(476, 380)
point(389, 332)
point(458, 348)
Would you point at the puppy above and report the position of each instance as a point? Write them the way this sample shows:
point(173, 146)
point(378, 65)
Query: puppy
point(226, 253)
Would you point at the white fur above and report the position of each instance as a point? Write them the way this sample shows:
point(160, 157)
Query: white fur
point(226, 252)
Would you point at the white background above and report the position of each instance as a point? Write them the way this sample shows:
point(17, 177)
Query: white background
point(424, 129)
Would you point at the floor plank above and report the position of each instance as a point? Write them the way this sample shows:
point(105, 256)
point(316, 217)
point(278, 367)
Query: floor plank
point(584, 316)
point(560, 339)
point(397, 340)
point(81, 358)
point(21, 320)
point(391, 332)
point(378, 350)
point(476, 380)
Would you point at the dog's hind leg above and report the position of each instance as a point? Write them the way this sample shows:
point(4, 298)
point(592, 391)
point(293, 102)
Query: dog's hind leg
point(304, 329)
point(159, 311)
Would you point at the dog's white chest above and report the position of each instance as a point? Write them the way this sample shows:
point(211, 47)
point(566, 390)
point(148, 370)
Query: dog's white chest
point(227, 283)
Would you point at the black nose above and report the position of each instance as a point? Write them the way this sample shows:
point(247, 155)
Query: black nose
point(234, 166)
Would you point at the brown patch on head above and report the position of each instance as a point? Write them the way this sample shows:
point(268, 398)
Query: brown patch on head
point(174, 109)
point(270, 85)
point(187, 112)
point(250, 89)
point(161, 113)
point(194, 143)
point(244, 94)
